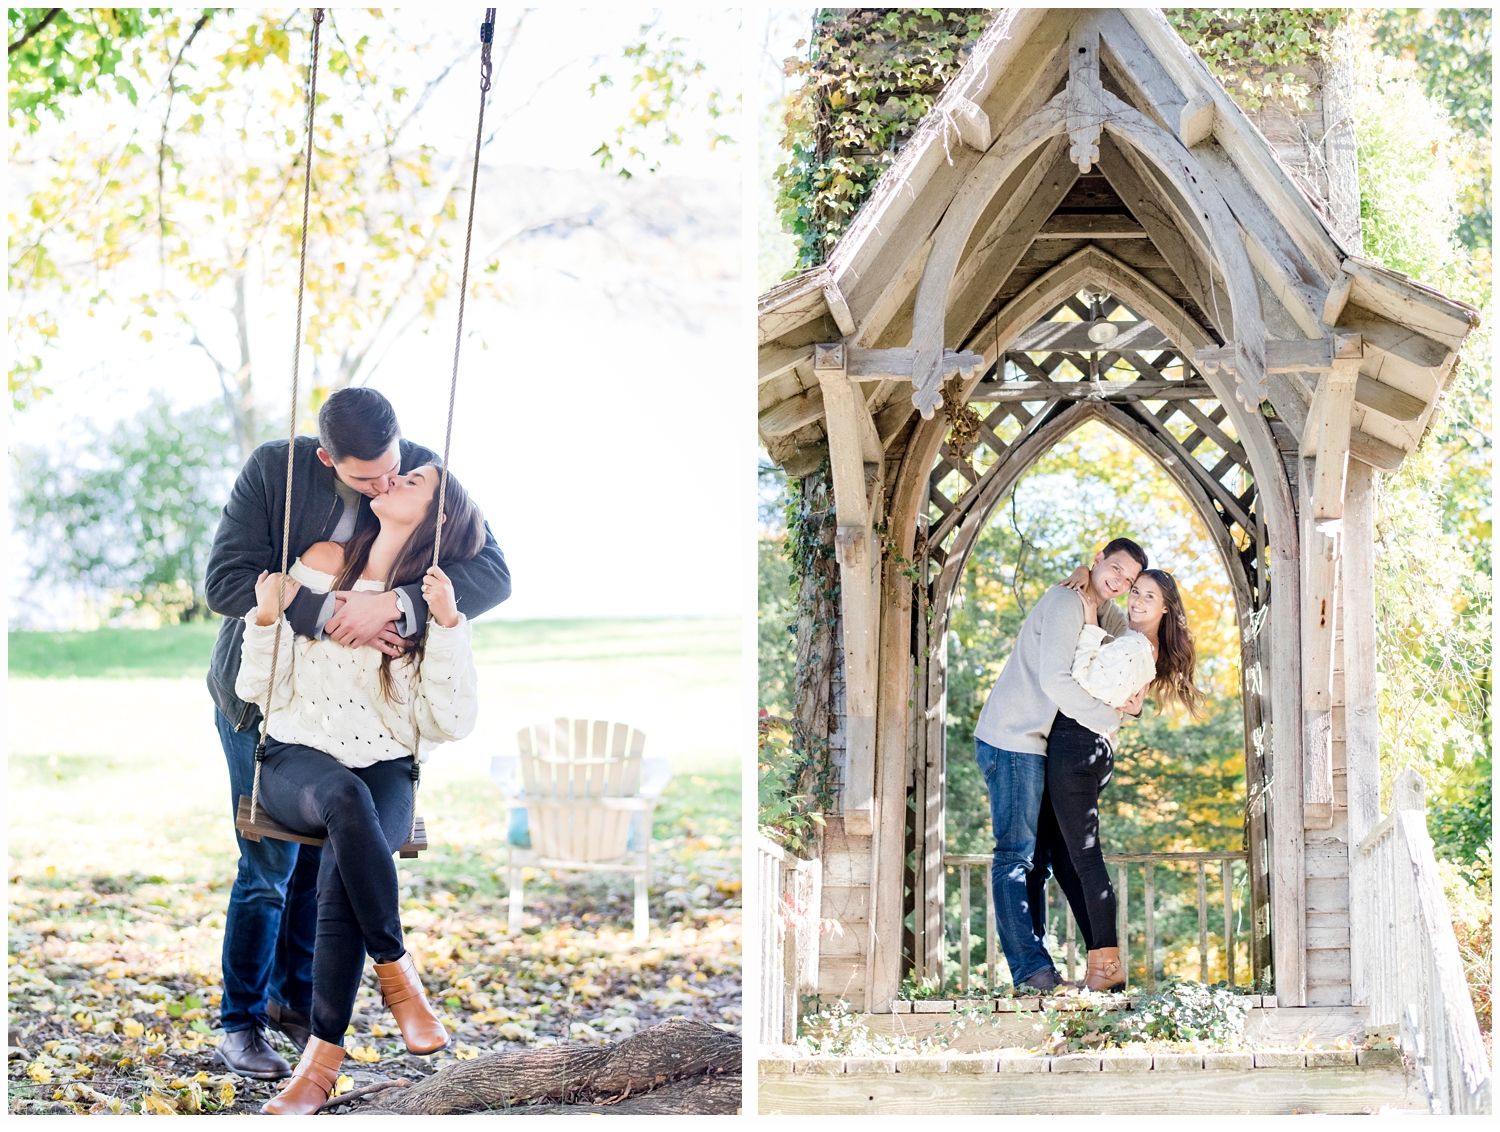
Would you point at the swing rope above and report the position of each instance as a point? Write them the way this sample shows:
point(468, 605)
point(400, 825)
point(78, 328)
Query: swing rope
point(486, 72)
point(291, 443)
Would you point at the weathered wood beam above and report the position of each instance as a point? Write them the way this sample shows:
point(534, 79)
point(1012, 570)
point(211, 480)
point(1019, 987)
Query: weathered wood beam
point(1091, 226)
point(1137, 389)
point(1408, 303)
point(1132, 336)
point(1295, 356)
point(896, 364)
point(1327, 435)
point(850, 435)
point(838, 308)
point(1390, 338)
point(1377, 453)
point(998, 252)
point(973, 125)
point(1195, 123)
point(1174, 236)
point(788, 416)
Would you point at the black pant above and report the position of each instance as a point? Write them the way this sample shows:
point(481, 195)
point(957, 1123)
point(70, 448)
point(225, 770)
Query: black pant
point(1079, 764)
point(365, 815)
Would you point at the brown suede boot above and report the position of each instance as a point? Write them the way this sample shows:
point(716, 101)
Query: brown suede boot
point(402, 990)
point(311, 1082)
point(1105, 971)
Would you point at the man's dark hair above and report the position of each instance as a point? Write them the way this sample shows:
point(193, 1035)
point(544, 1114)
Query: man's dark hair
point(1125, 545)
point(357, 424)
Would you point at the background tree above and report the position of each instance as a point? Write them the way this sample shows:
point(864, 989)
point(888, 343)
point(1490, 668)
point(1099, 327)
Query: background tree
point(130, 512)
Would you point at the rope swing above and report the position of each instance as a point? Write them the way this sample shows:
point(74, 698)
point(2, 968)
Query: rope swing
point(249, 820)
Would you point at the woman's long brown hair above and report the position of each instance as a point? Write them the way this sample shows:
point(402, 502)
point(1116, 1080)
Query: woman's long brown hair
point(463, 539)
point(1177, 656)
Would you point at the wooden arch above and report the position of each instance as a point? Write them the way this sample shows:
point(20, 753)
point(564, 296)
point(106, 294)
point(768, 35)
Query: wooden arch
point(1273, 639)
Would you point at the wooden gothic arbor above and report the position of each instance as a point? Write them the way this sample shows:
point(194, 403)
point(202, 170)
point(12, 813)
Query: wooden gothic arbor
point(1266, 367)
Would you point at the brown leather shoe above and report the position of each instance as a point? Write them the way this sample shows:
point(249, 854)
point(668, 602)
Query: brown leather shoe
point(293, 1023)
point(311, 1082)
point(247, 1053)
point(1105, 971)
point(402, 990)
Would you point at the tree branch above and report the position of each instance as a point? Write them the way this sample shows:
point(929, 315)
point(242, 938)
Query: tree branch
point(32, 31)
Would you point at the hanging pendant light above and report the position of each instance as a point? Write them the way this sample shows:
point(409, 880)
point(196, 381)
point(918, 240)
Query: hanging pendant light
point(1101, 331)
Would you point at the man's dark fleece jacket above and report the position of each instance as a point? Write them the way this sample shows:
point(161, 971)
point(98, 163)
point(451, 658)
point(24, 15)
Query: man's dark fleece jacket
point(249, 540)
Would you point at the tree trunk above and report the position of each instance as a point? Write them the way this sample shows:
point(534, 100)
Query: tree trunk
point(677, 1067)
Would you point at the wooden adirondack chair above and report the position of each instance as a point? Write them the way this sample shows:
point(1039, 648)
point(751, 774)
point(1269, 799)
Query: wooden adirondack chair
point(581, 782)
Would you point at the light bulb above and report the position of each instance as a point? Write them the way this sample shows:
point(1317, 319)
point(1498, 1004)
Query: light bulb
point(1103, 331)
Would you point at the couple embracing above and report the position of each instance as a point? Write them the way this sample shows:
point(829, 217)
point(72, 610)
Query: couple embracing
point(1045, 747)
point(374, 669)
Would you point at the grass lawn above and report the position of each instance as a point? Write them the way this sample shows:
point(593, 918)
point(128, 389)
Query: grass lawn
point(121, 856)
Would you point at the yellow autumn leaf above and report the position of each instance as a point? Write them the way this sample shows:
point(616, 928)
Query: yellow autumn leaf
point(367, 1054)
point(152, 1104)
point(39, 1073)
point(469, 1053)
point(133, 1029)
point(226, 1094)
point(342, 1085)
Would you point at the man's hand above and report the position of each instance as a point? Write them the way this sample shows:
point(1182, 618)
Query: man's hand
point(268, 592)
point(363, 618)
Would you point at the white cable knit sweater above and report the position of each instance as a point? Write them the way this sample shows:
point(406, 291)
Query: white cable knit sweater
point(1115, 669)
point(329, 696)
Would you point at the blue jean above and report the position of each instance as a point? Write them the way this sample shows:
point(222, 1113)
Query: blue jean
point(1015, 780)
point(272, 920)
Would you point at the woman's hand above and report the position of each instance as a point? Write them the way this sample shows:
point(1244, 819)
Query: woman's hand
point(268, 592)
point(1090, 606)
point(1078, 580)
point(437, 592)
point(1136, 703)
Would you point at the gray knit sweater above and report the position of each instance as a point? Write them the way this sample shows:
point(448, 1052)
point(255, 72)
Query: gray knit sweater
point(1037, 681)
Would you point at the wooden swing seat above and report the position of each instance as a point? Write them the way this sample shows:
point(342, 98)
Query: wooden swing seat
point(269, 827)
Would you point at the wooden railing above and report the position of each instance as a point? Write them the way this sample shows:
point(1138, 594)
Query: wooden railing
point(788, 897)
point(1149, 862)
point(1411, 970)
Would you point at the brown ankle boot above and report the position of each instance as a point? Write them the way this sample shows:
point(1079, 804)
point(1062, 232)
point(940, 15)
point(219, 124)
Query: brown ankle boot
point(402, 991)
point(1105, 971)
point(311, 1082)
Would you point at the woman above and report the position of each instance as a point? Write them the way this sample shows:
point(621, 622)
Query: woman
point(344, 726)
point(1156, 655)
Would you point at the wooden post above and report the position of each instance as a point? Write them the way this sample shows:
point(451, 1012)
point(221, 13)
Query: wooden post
point(964, 908)
point(1226, 877)
point(1122, 917)
point(991, 935)
point(852, 444)
point(1202, 922)
point(1326, 439)
point(1361, 716)
point(1150, 895)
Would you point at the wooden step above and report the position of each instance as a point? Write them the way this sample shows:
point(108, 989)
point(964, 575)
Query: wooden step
point(1015, 1081)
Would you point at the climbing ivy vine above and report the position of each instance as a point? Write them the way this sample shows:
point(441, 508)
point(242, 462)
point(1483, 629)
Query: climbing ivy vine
point(1258, 53)
point(869, 76)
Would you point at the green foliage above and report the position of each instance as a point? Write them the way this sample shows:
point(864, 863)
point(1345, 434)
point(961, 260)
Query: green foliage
point(776, 608)
point(1450, 55)
point(870, 77)
point(132, 512)
point(665, 83)
point(1257, 53)
point(786, 814)
point(1179, 1012)
point(56, 54)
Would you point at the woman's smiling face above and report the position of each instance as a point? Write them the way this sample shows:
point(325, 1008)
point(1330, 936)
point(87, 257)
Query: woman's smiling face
point(1147, 604)
point(406, 502)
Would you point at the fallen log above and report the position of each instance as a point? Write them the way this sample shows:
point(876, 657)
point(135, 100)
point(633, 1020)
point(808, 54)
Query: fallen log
point(677, 1067)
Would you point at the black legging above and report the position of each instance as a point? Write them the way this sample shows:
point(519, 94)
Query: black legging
point(1079, 763)
point(365, 815)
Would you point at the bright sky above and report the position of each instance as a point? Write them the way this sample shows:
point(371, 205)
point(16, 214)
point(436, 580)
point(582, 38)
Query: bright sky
point(599, 421)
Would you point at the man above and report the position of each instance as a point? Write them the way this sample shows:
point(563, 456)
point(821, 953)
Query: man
point(272, 918)
point(1011, 746)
